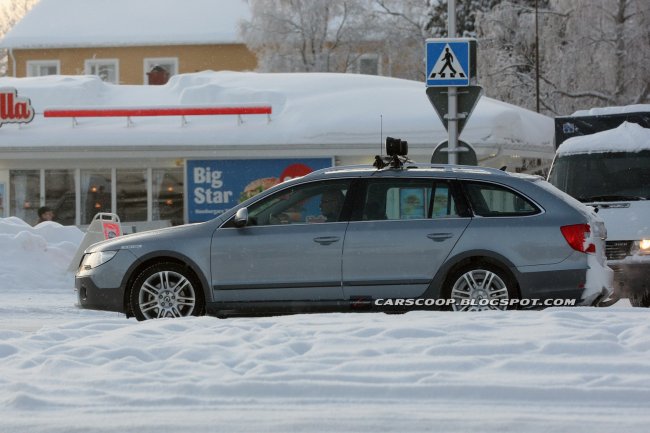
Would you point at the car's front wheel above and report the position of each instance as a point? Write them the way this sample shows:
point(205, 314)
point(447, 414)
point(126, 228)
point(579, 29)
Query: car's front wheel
point(166, 290)
point(480, 286)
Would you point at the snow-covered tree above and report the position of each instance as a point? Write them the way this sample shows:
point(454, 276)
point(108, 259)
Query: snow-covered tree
point(408, 23)
point(591, 53)
point(11, 11)
point(309, 35)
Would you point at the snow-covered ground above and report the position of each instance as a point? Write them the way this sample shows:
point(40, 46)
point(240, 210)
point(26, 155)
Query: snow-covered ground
point(63, 369)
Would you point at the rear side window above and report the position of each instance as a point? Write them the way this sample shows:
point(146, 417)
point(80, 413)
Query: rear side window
point(399, 199)
point(489, 200)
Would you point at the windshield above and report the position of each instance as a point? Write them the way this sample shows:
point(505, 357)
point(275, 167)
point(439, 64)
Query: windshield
point(611, 176)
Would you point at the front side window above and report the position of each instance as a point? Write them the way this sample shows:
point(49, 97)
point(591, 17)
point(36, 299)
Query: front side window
point(397, 199)
point(40, 68)
point(319, 202)
point(489, 200)
point(106, 69)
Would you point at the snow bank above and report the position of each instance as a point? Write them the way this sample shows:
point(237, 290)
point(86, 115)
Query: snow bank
point(63, 369)
point(579, 370)
point(36, 257)
point(328, 112)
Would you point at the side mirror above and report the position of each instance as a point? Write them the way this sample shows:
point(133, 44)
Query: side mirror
point(241, 218)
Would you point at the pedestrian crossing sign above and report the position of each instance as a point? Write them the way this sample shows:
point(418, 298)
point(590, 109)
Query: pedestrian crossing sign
point(451, 62)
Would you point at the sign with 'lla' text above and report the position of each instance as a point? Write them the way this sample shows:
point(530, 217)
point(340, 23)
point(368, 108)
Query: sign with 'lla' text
point(14, 109)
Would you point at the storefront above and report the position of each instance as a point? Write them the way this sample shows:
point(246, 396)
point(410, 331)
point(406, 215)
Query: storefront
point(81, 146)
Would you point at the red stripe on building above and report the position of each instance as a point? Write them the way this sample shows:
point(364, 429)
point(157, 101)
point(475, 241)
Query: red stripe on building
point(174, 111)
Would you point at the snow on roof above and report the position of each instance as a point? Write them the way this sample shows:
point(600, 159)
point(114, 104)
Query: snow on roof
point(309, 109)
point(628, 137)
point(637, 108)
point(88, 23)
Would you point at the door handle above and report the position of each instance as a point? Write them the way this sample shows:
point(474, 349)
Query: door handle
point(439, 237)
point(326, 240)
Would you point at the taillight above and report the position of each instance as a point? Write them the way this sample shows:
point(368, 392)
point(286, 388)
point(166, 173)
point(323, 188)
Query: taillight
point(577, 236)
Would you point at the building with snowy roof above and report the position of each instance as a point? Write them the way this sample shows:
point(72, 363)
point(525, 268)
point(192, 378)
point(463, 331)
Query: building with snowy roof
point(128, 42)
point(82, 146)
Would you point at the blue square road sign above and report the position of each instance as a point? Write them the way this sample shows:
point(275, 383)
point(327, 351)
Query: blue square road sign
point(451, 62)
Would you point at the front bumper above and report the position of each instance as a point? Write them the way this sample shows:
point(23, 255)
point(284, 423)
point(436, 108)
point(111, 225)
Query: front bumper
point(94, 298)
point(631, 276)
point(103, 287)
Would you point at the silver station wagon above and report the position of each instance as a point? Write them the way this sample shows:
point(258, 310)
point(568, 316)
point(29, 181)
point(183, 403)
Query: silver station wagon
point(392, 237)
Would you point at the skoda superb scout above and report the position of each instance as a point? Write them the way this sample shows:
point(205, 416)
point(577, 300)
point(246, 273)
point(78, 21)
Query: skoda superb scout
point(364, 238)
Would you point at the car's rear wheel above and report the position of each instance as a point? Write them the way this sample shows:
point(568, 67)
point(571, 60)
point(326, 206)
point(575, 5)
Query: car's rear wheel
point(166, 290)
point(480, 286)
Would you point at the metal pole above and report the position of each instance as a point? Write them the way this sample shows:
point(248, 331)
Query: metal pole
point(536, 56)
point(452, 115)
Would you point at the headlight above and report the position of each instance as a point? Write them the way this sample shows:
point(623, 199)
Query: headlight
point(641, 247)
point(95, 259)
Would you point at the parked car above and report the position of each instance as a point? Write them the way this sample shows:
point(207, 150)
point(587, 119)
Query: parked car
point(362, 238)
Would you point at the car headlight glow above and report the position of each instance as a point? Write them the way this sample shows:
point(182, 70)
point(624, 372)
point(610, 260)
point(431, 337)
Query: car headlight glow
point(641, 247)
point(95, 259)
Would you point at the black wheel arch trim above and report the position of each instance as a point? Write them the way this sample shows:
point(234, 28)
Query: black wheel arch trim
point(435, 287)
point(146, 260)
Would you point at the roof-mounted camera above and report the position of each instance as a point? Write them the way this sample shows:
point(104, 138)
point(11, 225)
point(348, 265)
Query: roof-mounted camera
point(397, 150)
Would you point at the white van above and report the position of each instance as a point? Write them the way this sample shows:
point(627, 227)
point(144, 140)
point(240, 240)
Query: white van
point(610, 170)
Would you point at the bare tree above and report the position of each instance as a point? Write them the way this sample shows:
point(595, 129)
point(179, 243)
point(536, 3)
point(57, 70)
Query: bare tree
point(409, 23)
point(309, 35)
point(320, 35)
point(591, 53)
point(11, 12)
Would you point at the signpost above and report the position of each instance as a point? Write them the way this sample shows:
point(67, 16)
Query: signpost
point(466, 154)
point(451, 64)
point(467, 98)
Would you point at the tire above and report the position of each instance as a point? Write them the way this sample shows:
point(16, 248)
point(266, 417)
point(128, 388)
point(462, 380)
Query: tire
point(641, 300)
point(166, 290)
point(487, 287)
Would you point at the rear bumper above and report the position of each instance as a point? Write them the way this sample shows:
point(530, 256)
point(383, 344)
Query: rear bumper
point(581, 277)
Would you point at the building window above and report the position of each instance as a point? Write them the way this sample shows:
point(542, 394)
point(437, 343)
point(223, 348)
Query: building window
point(167, 195)
point(132, 194)
point(60, 195)
point(95, 193)
point(159, 70)
point(106, 69)
point(25, 193)
point(39, 68)
point(368, 64)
